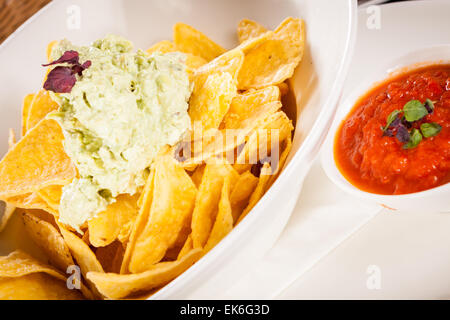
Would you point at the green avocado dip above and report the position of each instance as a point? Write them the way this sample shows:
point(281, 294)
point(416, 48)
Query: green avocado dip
point(123, 109)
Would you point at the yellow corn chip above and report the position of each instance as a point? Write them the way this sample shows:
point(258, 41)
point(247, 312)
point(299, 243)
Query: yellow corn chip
point(224, 219)
point(197, 175)
point(210, 102)
point(241, 193)
point(284, 88)
point(41, 105)
point(192, 61)
point(36, 286)
point(117, 286)
point(267, 177)
point(145, 202)
point(190, 40)
point(248, 29)
point(208, 197)
point(83, 255)
point(48, 238)
point(111, 256)
point(114, 223)
point(246, 104)
point(259, 145)
point(259, 191)
point(51, 195)
point(18, 280)
point(187, 247)
point(50, 48)
point(274, 60)
point(231, 62)
point(35, 162)
point(6, 211)
point(174, 197)
point(27, 102)
point(282, 160)
point(30, 201)
point(11, 138)
point(163, 46)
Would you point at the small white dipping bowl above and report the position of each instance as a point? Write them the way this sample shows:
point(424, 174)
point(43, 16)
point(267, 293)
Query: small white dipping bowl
point(431, 200)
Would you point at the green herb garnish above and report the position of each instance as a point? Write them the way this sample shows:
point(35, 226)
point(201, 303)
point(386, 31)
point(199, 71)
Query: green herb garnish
point(430, 129)
point(414, 110)
point(416, 138)
point(391, 118)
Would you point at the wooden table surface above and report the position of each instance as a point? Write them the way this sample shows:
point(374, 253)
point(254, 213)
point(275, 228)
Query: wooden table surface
point(15, 12)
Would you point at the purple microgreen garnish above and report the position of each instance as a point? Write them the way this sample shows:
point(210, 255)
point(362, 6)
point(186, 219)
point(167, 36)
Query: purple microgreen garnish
point(62, 78)
point(402, 134)
point(429, 105)
point(70, 57)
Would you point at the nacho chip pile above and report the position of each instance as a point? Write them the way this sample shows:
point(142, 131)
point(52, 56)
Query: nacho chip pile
point(239, 143)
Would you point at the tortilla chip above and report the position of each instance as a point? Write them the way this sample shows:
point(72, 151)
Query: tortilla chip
point(83, 255)
point(241, 193)
point(11, 138)
point(282, 160)
point(274, 60)
point(197, 175)
point(284, 88)
point(190, 40)
point(259, 191)
point(192, 61)
point(210, 102)
point(48, 238)
point(51, 195)
point(36, 286)
point(111, 256)
point(174, 195)
point(248, 29)
point(6, 211)
point(18, 280)
point(259, 146)
point(27, 102)
point(114, 223)
point(50, 48)
point(117, 286)
point(35, 162)
point(207, 200)
point(163, 46)
point(144, 203)
point(246, 104)
point(30, 201)
point(231, 62)
point(187, 247)
point(267, 177)
point(42, 104)
point(224, 219)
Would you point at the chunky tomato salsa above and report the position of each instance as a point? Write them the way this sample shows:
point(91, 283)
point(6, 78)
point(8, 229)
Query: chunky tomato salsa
point(396, 140)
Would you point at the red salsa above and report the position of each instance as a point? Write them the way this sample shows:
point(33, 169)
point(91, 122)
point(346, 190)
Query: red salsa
point(380, 163)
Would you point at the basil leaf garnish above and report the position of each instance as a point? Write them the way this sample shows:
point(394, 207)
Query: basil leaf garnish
point(414, 110)
point(416, 138)
point(430, 129)
point(391, 118)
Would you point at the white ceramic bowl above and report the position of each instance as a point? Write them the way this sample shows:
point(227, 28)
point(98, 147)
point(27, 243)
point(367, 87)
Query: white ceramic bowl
point(432, 200)
point(317, 85)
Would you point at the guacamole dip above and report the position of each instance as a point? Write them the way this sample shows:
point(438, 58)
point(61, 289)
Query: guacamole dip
point(118, 115)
